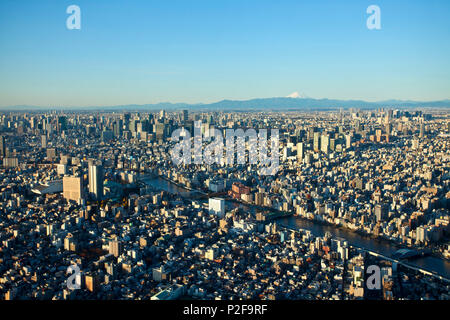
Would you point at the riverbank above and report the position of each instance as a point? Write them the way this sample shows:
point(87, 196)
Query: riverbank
point(379, 245)
point(378, 238)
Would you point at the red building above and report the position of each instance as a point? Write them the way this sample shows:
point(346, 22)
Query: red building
point(237, 189)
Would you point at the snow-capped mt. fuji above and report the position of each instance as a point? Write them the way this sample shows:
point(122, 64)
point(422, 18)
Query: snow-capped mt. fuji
point(296, 95)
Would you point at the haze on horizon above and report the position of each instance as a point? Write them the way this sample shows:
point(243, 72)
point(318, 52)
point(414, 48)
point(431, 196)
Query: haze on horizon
point(146, 52)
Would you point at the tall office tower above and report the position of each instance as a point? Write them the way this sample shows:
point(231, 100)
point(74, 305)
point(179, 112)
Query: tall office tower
point(421, 234)
point(387, 128)
point(325, 143)
point(189, 126)
point(32, 123)
point(184, 116)
point(159, 130)
point(115, 247)
point(390, 113)
point(91, 281)
point(358, 127)
point(151, 118)
point(44, 141)
point(73, 188)
point(348, 141)
point(310, 133)
point(300, 135)
point(2, 146)
point(381, 211)
point(117, 127)
point(62, 123)
point(49, 127)
point(217, 206)
point(316, 142)
point(126, 119)
point(332, 144)
point(422, 130)
point(140, 127)
point(132, 125)
point(300, 152)
point(96, 181)
point(162, 115)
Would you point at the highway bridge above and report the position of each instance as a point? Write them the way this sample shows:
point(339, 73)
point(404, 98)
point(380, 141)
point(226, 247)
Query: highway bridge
point(402, 263)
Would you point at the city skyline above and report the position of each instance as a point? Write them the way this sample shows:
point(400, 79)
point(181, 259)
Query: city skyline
point(287, 103)
point(95, 205)
point(225, 155)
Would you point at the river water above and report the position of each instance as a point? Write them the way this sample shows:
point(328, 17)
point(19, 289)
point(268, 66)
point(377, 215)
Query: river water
point(383, 247)
point(164, 185)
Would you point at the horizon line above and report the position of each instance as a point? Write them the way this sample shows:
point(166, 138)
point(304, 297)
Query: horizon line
point(9, 107)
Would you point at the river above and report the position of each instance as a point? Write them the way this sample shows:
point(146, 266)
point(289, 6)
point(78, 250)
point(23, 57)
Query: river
point(381, 246)
point(384, 247)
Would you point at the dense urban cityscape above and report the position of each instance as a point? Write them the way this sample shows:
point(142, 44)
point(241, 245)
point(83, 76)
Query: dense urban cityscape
point(92, 206)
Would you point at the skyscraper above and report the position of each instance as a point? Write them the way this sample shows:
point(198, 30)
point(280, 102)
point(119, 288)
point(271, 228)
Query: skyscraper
point(115, 247)
point(387, 127)
point(162, 115)
point(348, 141)
point(117, 128)
point(381, 211)
point(91, 281)
point(421, 130)
point(96, 181)
point(300, 151)
point(73, 188)
point(217, 206)
point(325, 143)
point(44, 141)
point(159, 130)
point(316, 142)
point(184, 115)
point(2, 146)
point(62, 123)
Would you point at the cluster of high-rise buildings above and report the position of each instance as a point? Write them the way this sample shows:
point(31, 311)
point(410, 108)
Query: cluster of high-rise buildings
point(100, 191)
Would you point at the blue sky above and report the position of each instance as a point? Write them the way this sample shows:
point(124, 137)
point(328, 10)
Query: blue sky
point(132, 51)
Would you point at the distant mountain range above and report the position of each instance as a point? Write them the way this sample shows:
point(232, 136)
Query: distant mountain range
point(264, 104)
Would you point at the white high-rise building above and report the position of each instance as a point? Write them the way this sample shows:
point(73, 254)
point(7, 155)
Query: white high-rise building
point(96, 181)
point(217, 206)
point(300, 151)
point(44, 141)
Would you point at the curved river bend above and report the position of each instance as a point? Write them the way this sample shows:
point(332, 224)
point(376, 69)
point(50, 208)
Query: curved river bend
point(430, 263)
